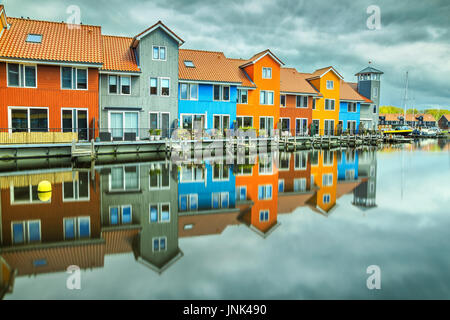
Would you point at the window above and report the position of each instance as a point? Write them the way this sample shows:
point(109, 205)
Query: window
point(267, 73)
point(242, 96)
point(283, 162)
point(159, 53)
point(328, 158)
point(329, 127)
point(265, 167)
point(241, 193)
point(351, 126)
point(329, 104)
point(221, 93)
point(26, 231)
point(351, 107)
point(24, 195)
point(220, 200)
point(283, 100)
point(265, 192)
point(34, 38)
point(244, 122)
point(161, 178)
point(188, 202)
point(159, 213)
point(266, 97)
point(264, 215)
point(349, 174)
point(192, 174)
point(159, 244)
point(74, 78)
point(314, 104)
point(165, 87)
point(374, 108)
point(221, 122)
point(280, 185)
point(302, 102)
point(327, 180)
point(29, 119)
point(189, 64)
point(121, 122)
point(77, 189)
point(193, 121)
point(120, 214)
point(221, 172)
point(300, 185)
point(375, 92)
point(153, 86)
point(124, 179)
point(77, 228)
point(300, 160)
point(119, 85)
point(20, 75)
point(330, 84)
point(326, 198)
point(188, 91)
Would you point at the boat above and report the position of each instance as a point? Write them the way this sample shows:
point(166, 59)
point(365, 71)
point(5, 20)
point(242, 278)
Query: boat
point(401, 131)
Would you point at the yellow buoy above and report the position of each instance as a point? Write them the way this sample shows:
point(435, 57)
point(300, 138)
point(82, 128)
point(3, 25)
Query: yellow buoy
point(44, 191)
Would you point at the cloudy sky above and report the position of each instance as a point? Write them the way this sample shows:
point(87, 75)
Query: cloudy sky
point(414, 35)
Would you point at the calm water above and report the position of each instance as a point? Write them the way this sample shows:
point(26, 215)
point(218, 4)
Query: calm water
point(304, 226)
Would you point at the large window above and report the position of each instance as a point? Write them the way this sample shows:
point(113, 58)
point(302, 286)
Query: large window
point(20, 75)
point(351, 107)
point(119, 85)
point(123, 121)
point(124, 178)
point(300, 160)
point(24, 195)
point(160, 178)
point(244, 122)
point(302, 102)
point(159, 212)
point(329, 127)
point(266, 97)
point(163, 84)
point(26, 231)
point(76, 120)
point(159, 53)
point(188, 91)
point(188, 202)
point(327, 180)
point(221, 121)
point(74, 78)
point(29, 119)
point(77, 189)
point(329, 104)
point(265, 192)
point(220, 200)
point(193, 121)
point(330, 84)
point(241, 193)
point(77, 228)
point(120, 214)
point(242, 96)
point(221, 172)
point(192, 174)
point(221, 93)
point(300, 185)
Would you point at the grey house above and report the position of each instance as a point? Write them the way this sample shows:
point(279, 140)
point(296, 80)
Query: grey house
point(365, 194)
point(139, 206)
point(139, 83)
point(369, 87)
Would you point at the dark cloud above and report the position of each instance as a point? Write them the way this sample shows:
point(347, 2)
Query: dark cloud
point(305, 34)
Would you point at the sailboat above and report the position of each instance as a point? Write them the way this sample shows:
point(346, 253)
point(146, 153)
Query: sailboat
point(402, 130)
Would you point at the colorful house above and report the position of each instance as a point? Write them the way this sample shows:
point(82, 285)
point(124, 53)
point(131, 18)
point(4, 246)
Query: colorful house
point(210, 86)
point(325, 114)
point(261, 107)
point(349, 108)
point(369, 87)
point(297, 100)
point(139, 81)
point(347, 165)
point(49, 76)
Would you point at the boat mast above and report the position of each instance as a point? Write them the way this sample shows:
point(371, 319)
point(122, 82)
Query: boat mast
point(405, 98)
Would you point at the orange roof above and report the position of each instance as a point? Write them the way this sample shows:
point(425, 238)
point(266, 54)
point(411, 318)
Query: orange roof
point(293, 81)
point(211, 66)
point(348, 93)
point(59, 43)
point(320, 72)
point(409, 117)
point(117, 54)
point(447, 116)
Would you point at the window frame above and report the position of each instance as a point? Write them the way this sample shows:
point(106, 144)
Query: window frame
point(159, 53)
point(10, 108)
point(159, 206)
point(328, 85)
point(74, 78)
point(26, 231)
point(22, 75)
point(266, 69)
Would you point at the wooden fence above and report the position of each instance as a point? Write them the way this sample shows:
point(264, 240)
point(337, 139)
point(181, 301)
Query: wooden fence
point(37, 137)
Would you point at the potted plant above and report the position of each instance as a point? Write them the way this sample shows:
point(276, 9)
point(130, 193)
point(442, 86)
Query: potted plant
point(152, 134)
point(157, 133)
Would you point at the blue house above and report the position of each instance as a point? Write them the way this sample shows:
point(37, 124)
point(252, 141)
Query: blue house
point(350, 107)
point(206, 187)
point(348, 165)
point(210, 86)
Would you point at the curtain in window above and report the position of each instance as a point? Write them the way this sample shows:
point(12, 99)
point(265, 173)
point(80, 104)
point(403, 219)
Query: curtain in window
point(131, 122)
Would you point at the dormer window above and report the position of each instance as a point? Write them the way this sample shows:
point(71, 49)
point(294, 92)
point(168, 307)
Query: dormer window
point(189, 64)
point(330, 84)
point(267, 73)
point(159, 53)
point(34, 38)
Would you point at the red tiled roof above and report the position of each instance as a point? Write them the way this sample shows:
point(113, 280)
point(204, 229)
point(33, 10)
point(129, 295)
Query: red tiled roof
point(293, 81)
point(409, 117)
point(320, 72)
point(211, 66)
point(160, 24)
point(59, 42)
point(348, 93)
point(117, 54)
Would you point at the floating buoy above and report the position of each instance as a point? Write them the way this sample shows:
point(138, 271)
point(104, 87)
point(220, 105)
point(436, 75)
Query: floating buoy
point(44, 191)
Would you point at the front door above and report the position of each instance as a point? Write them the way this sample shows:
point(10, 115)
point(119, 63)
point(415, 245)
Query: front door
point(74, 120)
point(301, 126)
point(329, 127)
point(165, 125)
point(285, 124)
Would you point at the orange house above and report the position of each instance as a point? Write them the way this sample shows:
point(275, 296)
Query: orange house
point(324, 175)
point(325, 114)
point(49, 76)
point(262, 110)
point(259, 184)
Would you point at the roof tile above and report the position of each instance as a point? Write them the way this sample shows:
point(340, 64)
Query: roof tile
point(117, 54)
point(293, 81)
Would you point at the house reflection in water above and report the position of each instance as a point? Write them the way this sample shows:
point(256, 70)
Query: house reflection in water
point(144, 208)
point(140, 213)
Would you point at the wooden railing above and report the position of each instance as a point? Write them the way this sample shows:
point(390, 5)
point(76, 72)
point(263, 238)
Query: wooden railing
point(37, 137)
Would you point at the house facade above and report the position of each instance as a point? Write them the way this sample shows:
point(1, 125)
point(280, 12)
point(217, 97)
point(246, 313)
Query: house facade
point(297, 100)
point(139, 83)
point(444, 122)
point(349, 108)
point(369, 83)
point(390, 120)
point(49, 77)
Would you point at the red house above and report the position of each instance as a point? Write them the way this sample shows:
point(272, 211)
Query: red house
point(49, 76)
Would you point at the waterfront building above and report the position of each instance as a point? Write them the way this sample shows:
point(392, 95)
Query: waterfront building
point(350, 108)
point(364, 196)
point(297, 101)
point(444, 122)
point(369, 87)
point(389, 120)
